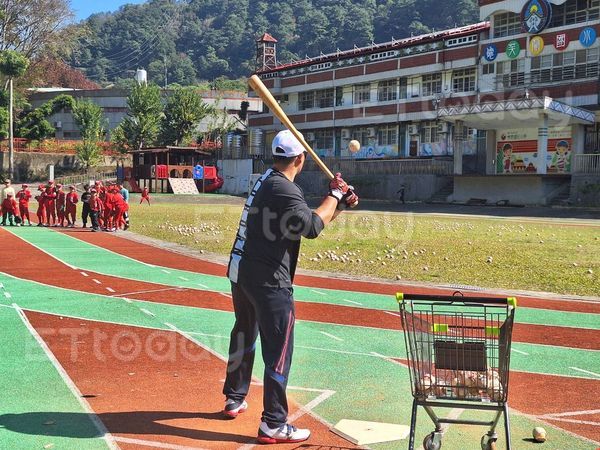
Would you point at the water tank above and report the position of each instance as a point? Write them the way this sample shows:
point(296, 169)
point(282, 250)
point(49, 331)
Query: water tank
point(141, 76)
point(233, 145)
point(256, 139)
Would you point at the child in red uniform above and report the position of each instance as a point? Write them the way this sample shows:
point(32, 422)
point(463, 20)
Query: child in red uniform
point(108, 207)
point(9, 210)
point(50, 203)
point(61, 198)
point(41, 210)
point(95, 209)
point(145, 196)
point(24, 195)
point(119, 209)
point(71, 206)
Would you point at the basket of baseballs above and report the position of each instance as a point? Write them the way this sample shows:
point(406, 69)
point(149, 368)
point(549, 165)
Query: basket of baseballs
point(462, 385)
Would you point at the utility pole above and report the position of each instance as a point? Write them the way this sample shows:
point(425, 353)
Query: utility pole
point(11, 136)
point(165, 63)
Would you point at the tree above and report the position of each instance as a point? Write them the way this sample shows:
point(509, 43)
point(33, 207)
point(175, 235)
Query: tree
point(89, 118)
point(28, 26)
point(12, 65)
point(183, 112)
point(34, 124)
point(142, 125)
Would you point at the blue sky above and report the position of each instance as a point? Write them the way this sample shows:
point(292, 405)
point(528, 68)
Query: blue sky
point(83, 8)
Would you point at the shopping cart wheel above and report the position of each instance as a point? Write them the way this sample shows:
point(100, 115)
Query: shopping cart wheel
point(488, 442)
point(433, 441)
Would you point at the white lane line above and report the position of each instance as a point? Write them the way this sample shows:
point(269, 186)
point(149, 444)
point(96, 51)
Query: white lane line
point(519, 351)
point(311, 405)
point(318, 292)
point(164, 270)
point(127, 300)
point(331, 336)
point(7, 294)
point(388, 359)
point(585, 371)
point(392, 313)
point(148, 313)
point(96, 281)
point(154, 444)
point(109, 289)
point(42, 250)
point(84, 274)
point(453, 414)
point(573, 413)
point(351, 301)
point(184, 278)
point(579, 422)
point(202, 285)
point(146, 291)
point(1, 285)
point(225, 294)
point(70, 384)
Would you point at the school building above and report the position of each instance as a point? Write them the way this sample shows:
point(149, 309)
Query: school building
point(502, 110)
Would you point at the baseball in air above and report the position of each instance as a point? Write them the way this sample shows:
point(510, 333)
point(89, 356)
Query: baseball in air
point(354, 146)
point(539, 434)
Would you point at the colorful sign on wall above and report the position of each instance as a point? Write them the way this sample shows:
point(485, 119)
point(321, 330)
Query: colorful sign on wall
point(587, 37)
point(516, 151)
point(490, 53)
point(536, 15)
point(561, 41)
point(536, 45)
point(513, 49)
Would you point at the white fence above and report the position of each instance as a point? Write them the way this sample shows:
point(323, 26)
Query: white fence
point(586, 164)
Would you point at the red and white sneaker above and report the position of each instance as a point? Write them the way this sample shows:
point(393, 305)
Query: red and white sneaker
point(233, 408)
point(285, 434)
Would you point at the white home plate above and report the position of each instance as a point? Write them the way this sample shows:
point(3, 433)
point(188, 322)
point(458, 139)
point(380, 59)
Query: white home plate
point(363, 433)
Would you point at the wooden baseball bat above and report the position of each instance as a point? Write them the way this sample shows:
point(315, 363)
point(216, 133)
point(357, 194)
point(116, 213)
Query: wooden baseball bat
point(261, 90)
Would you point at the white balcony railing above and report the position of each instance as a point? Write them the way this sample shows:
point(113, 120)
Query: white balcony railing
point(586, 164)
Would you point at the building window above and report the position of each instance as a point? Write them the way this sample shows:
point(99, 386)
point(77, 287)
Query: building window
point(387, 90)
point(339, 96)
point(403, 88)
point(324, 139)
point(510, 73)
point(429, 132)
point(361, 135)
point(565, 66)
point(463, 80)
point(387, 135)
point(432, 84)
point(362, 93)
point(306, 100)
point(488, 69)
point(507, 24)
point(324, 98)
point(575, 11)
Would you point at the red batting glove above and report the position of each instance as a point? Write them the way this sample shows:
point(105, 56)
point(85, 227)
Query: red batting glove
point(338, 187)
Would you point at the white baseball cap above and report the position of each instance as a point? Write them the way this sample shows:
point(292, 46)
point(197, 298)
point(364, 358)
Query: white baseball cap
point(286, 144)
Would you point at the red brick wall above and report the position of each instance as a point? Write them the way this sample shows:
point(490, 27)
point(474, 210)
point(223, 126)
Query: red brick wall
point(382, 66)
point(295, 81)
point(349, 72)
point(258, 121)
point(316, 77)
point(316, 117)
point(421, 60)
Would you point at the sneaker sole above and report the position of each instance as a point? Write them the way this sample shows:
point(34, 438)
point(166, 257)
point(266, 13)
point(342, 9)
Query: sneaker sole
point(270, 440)
point(234, 414)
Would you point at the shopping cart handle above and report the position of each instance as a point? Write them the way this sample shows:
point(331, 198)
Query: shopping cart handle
point(401, 297)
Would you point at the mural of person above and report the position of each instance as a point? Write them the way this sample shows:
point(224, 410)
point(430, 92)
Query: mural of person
point(507, 158)
point(561, 159)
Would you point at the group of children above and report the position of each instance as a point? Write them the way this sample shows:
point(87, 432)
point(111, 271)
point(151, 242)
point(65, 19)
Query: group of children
point(106, 206)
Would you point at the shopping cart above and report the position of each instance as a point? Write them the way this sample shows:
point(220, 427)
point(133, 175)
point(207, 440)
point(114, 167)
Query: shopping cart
point(459, 357)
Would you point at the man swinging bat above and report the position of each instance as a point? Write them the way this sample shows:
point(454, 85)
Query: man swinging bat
point(261, 270)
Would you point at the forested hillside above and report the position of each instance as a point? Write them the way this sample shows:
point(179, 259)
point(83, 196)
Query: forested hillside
point(205, 39)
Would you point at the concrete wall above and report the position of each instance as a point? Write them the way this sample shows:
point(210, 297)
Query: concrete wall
point(518, 189)
point(33, 166)
point(378, 187)
point(236, 175)
point(585, 190)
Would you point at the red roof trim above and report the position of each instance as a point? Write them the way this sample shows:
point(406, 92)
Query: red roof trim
point(266, 38)
point(401, 43)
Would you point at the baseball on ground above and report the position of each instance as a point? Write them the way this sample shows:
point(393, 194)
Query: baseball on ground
point(539, 434)
point(354, 146)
